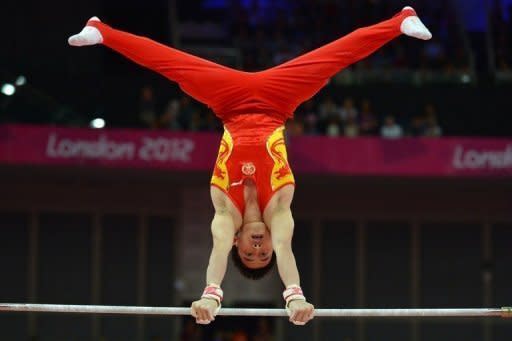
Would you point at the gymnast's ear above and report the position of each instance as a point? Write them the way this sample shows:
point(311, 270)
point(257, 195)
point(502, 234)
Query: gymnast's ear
point(235, 241)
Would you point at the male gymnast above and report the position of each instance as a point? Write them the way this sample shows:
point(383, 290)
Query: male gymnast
point(252, 186)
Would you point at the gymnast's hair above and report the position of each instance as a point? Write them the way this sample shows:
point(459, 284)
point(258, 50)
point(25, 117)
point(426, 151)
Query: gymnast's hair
point(248, 272)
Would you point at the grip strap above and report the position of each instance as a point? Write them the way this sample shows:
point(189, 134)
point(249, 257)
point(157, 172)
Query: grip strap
point(214, 292)
point(292, 293)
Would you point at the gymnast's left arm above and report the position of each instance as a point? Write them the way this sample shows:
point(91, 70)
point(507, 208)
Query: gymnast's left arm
point(299, 310)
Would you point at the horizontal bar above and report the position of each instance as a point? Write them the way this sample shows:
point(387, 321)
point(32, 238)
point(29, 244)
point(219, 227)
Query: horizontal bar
point(164, 311)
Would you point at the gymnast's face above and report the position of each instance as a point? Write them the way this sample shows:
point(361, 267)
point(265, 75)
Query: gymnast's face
point(254, 245)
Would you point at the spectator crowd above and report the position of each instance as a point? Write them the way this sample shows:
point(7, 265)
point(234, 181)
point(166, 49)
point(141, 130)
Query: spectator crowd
point(270, 32)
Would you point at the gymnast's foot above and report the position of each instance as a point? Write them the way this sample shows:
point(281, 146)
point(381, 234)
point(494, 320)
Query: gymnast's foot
point(88, 36)
point(413, 27)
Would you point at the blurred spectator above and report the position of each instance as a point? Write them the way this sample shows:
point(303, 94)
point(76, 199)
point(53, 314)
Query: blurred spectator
point(147, 107)
point(311, 125)
point(187, 114)
point(307, 114)
point(169, 119)
point(333, 127)
point(368, 124)
point(390, 129)
point(418, 124)
point(350, 128)
point(426, 124)
point(195, 123)
point(348, 110)
point(432, 128)
point(417, 127)
point(328, 109)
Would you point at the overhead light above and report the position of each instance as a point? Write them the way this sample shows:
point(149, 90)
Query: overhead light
point(21, 80)
point(97, 123)
point(8, 89)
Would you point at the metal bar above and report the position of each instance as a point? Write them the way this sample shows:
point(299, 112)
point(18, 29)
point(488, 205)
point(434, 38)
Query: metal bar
point(174, 311)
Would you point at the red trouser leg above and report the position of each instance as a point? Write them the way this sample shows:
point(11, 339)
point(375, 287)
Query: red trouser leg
point(204, 80)
point(296, 81)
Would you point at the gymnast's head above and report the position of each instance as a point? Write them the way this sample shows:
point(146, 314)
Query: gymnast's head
point(252, 251)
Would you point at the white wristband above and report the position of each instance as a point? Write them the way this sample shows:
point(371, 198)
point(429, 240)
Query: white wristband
point(214, 292)
point(292, 293)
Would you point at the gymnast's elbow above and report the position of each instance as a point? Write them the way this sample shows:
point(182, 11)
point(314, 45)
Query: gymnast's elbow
point(222, 243)
point(282, 245)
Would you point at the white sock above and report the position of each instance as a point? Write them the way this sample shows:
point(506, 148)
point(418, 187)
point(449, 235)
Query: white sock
point(413, 27)
point(88, 36)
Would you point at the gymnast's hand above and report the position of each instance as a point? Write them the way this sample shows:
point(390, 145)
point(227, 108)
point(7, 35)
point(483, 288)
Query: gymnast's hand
point(204, 310)
point(300, 312)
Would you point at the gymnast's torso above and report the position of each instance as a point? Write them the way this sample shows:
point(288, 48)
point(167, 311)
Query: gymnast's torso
point(252, 147)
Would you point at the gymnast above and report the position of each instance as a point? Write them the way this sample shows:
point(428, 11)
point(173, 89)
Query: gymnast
point(252, 185)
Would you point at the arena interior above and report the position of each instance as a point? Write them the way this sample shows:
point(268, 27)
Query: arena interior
point(402, 163)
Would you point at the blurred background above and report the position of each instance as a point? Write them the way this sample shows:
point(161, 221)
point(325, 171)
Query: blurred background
point(403, 164)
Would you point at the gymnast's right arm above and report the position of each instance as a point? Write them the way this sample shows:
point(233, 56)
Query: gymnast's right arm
point(205, 309)
point(222, 244)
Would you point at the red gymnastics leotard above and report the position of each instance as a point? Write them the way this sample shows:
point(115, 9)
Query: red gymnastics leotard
point(253, 106)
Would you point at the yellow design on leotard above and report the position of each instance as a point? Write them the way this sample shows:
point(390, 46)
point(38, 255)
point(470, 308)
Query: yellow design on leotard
point(276, 147)
point(220, 175)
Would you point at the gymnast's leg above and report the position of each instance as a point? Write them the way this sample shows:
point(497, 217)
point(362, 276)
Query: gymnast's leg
point(204, 80)
point(301, 78)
